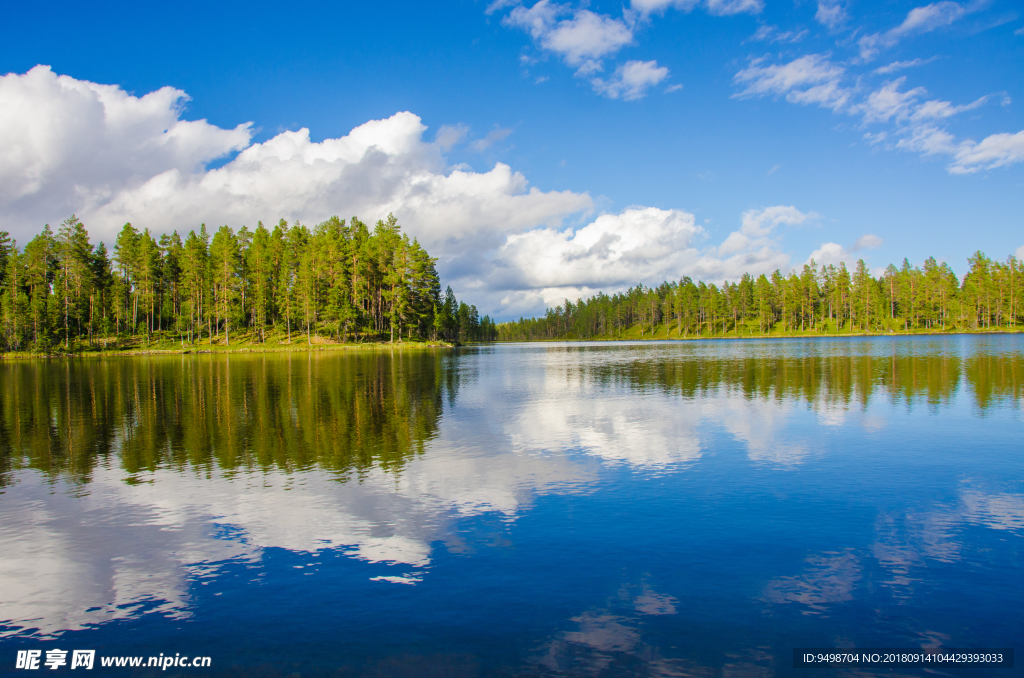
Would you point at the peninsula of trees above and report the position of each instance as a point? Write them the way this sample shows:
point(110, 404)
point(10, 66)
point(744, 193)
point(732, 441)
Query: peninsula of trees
point(335, 282)
point(816, 300)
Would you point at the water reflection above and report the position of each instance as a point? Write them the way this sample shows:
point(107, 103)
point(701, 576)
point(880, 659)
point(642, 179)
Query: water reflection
point(288, 411)
point(828, 578)
point(348, 414)
point(128, 485)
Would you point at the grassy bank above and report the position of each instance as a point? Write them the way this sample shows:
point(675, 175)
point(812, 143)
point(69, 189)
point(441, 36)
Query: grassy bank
point(752, 331)
point(243, 342)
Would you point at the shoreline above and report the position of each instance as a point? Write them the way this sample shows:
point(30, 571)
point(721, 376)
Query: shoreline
point(922, 333)
point(228, 350)
point(415, 345)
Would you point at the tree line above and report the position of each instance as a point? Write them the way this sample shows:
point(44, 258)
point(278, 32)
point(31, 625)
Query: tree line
point(336, 281)
point(815, 299)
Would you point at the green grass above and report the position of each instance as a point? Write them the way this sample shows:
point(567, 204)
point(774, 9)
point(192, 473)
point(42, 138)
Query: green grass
point(750, 330)
point(242, 342)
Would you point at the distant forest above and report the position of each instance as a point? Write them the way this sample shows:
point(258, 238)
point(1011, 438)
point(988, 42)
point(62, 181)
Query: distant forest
point(826, 299)
point(338, 281)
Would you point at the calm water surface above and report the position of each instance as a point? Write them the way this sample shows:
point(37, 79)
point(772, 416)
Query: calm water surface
point(666, 509)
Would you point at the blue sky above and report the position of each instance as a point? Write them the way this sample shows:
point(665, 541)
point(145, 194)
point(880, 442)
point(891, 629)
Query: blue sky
point(553, 149)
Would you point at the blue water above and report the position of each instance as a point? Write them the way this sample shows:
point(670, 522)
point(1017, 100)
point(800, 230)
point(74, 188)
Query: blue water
point(662, 509)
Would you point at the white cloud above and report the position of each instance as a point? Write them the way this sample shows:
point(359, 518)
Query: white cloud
point(639, 245)
point(730, 7)
point(450, 135)
point(768, 33)
point(715, 7)
point(901, 65)
point(943, 109)
point(758, 226)
point(811, 79)
point(831, 14)
point(613, 250)
point(70, 145)
point(919, 20)
point(583, 39)
point(1020, 252)
point(814, 79)
point(996, 150)
point(760, 223)
point(888, 102)
point(930, 17)
point(868, 241)
point(831, 253)
point(927, 140)
point(580, 39)
point(656, 6)
point(75, 146)
point(631, 80)
point(499, 5)
point(500, 241)
point(493, 137)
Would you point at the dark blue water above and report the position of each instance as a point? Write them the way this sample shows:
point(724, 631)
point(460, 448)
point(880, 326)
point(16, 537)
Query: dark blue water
point(667, 509)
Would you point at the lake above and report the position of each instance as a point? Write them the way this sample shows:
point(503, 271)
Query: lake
point(662, 509)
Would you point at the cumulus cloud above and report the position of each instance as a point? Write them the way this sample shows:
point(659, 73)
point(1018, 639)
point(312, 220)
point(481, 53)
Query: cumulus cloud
point(639, 245)
point(613, 250)
point(918, 20)
point(71, 145)
point(75, 146)
point(631, 80)
point(757, 227)
point(509, 246)
point(831, 253)
point(581, 39)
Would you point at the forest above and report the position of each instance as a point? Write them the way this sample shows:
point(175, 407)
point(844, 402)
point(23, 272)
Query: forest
point(335, 282)
point(815, 300)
